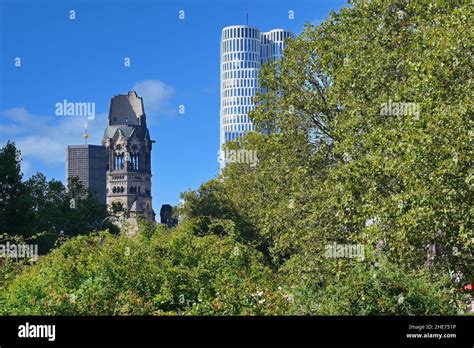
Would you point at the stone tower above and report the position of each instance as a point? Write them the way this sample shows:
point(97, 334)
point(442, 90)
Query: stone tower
point(128, 146)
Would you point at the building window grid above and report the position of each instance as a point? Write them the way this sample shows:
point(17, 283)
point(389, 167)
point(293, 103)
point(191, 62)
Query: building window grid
point(240, 78)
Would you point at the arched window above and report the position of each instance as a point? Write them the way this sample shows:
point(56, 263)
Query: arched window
point(118, 161)
point(134, 158)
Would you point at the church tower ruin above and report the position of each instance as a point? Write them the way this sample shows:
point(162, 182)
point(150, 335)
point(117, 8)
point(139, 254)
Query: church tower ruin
point(128, 146)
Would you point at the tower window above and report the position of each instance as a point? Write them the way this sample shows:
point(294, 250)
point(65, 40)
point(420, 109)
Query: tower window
point(134, 161)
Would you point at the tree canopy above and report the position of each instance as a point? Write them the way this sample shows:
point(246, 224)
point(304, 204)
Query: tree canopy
point(364, 138)
point(42, 210)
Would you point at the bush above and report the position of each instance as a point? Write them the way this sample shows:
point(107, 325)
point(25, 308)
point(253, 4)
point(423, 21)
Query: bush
point(370, 288)
point(171, 272)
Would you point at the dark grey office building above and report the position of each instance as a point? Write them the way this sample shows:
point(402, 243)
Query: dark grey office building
point(89, 164)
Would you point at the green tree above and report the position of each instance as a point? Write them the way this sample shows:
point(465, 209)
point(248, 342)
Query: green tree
point(335, 166)
point(15, 210)
point(43, 210)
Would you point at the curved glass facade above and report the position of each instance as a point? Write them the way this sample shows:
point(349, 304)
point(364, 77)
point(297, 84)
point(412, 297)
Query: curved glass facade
point(243, 50)
point(273, 43)
point(240, 64)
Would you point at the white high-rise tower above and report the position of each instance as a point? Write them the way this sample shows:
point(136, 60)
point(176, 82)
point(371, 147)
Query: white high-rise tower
point(243, 50)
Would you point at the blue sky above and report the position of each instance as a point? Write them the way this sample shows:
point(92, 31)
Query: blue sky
point(173, 62)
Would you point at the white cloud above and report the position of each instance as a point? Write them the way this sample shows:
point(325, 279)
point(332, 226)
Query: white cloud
point(18, 115)
point(45, 138)
point(43, 148)
point(156, 95)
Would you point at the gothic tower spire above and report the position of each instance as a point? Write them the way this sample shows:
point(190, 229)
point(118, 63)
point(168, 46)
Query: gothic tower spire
point(128, 145)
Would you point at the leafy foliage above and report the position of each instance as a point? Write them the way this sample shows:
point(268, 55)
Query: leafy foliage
point(171, 272)
point(334, 166)
point(41, 210)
